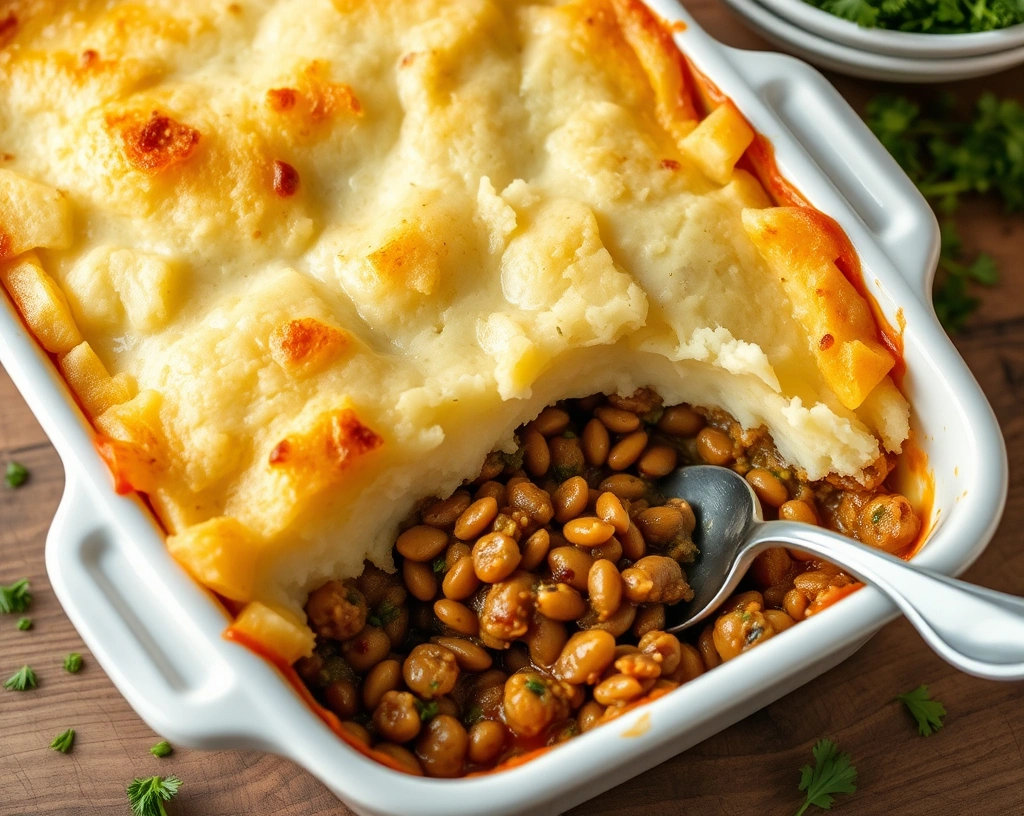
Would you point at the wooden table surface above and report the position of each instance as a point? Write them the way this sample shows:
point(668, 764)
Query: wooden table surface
point(975, 764)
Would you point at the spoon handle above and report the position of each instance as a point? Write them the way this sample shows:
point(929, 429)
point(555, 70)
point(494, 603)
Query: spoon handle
point(980, 631)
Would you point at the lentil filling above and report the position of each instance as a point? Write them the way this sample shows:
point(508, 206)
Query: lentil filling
point(529, 606)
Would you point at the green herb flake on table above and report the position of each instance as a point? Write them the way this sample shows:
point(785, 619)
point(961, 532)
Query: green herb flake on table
point(16, 475)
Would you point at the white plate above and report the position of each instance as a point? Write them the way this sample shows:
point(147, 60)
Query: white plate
point(865, 64)
point(159, 636)
point(896, 43)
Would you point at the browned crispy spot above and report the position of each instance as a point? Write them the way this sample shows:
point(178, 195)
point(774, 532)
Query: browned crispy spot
point(281, 99)
point(670, 164)
point(344, 439)
point(8, 28)
point(286, 179)
point(316, 96)
point(826, 342)
point(155, 143)
point(279, 455)
point(410, 260)
point(6, 245)
point(306, 343)
point(88, 59)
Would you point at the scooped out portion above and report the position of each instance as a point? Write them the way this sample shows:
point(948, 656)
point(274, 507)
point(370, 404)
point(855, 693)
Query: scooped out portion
point(298, 295)
point(531, 604)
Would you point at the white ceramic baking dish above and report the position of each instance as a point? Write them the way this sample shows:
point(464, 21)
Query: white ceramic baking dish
point(158, 635)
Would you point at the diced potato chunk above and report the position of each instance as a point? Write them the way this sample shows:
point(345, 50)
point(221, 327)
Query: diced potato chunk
point(110, 284)
point(886, 412)
point(748, 190)
point(41, 303)
point(802, 246)
point(132, 445)
point(93, 386)
point(31, 215)
point(220, 554)
point(717, 143)
point(137, 420)
point(277, 629)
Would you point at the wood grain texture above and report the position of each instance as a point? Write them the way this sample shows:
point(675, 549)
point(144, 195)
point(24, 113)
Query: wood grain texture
point(975, 764)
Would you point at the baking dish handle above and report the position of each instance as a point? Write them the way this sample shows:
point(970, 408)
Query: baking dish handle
point(132, 620)
point(876, 188)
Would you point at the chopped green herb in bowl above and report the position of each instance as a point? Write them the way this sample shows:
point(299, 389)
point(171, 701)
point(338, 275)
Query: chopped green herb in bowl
point(927, 16)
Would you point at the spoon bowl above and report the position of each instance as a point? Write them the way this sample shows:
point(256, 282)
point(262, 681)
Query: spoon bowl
point(726, 509)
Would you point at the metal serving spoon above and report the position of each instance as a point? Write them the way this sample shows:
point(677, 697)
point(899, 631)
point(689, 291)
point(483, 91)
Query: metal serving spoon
point(978, 630)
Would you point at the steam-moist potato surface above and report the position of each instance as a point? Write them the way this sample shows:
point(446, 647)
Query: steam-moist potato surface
point(322, 256)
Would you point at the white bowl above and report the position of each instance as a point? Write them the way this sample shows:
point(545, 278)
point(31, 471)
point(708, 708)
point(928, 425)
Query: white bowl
point(856, 62)
point(159, 636)
point(896, 43)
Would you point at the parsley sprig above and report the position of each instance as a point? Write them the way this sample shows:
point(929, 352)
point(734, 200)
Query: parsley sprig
point(924, 709)
point(22, 680)
point(927, 16)
point(63, 741)
point(832, 773)
point(73, 663)
point(147, 796)
point(15, 597)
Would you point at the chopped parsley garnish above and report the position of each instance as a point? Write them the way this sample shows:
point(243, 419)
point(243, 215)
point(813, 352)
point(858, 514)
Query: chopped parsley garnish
point(15, 597)
point(653, 417)
point(832, 773)
point(473, 715)
point(427, 710)
point(878, 514)
point(924, 709)
point(513, 461)
point(439, 564)
point(22, 680)
point(73, 663)
point(536, 686)
point(63, 742)
point(562, 473)
point(24, 624)
point(147, 796)
point(927, 16)
point(16, 475)
point(387, 613)
point(161, 749)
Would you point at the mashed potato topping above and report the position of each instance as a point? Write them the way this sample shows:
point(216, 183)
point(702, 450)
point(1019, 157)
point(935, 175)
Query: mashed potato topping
point(305, 262)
